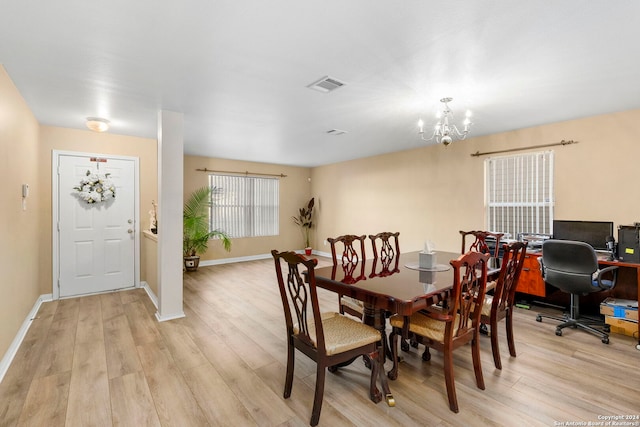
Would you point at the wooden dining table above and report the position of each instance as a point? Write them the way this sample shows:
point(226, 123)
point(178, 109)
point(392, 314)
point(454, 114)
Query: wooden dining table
point(397, 286)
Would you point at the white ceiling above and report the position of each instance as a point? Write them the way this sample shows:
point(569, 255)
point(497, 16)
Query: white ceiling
point(238, 70)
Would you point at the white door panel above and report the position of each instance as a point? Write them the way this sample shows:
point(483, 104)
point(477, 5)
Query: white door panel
point(96, 241)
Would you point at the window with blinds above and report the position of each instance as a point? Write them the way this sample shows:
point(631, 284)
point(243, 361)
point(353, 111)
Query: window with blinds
point(519, 193)
point(245, 206)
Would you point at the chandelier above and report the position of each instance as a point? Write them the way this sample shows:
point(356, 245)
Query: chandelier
point(445, 132)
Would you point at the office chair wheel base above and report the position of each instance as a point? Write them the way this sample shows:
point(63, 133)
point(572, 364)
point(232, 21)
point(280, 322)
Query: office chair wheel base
point(404, 346)
point(559, 332)
point(605, 340)
point(538, 318)
point(607, 328)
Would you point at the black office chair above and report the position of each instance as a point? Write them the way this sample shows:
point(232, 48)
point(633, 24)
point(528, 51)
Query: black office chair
point(572, 267)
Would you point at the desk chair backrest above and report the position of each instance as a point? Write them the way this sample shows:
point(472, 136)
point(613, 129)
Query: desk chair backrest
point(569, 265)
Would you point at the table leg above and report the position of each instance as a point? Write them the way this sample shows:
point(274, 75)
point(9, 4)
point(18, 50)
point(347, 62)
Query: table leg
point(376, 318)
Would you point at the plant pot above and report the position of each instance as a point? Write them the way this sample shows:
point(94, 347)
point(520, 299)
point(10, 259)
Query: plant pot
point(307, 251)
point(191, 262)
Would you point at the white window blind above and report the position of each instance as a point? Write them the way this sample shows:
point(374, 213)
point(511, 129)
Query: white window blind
point(245, 206)
point(519, 193)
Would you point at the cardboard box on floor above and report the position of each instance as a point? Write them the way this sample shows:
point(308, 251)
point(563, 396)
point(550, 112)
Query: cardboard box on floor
point(620, 308)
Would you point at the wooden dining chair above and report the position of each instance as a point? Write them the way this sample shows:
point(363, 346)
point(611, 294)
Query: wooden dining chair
point(329, 339)
point(352, 253)
point(500, 305)
point(479, 241)
point(386, 254)
point(451, 325)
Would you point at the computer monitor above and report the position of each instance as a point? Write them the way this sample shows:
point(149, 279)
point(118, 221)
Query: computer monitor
point(594, 233)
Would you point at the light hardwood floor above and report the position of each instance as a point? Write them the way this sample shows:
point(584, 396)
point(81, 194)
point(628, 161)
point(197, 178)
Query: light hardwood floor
point(104, 360)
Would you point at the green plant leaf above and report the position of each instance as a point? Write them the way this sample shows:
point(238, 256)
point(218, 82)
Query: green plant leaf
point(196, 234)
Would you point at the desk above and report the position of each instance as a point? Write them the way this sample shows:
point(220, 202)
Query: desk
point(631, 290)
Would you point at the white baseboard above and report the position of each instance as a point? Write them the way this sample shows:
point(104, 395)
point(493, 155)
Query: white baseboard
point(232, 260)
point(170, 316)
point(22, 332)
point(154, 299)
point(253, 258)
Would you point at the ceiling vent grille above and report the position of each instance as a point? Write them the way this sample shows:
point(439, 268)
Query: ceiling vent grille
point(336, 132)
point(326, 84)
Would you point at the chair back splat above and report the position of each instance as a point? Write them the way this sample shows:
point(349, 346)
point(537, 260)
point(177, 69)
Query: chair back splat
point(386, 254)
point(352, 260)
point(352, 248)
point(330, 339)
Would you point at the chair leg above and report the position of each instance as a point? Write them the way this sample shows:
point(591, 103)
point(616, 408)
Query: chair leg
point(509, 326)
point(477, 366)
point(317, 399)
point(393, 341)
point(426, 355)
point(291, 358)
point(449, 380)
point(374, 394)
point(495, 348)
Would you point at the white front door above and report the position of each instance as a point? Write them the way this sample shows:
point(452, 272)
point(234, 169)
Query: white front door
point(96, 241)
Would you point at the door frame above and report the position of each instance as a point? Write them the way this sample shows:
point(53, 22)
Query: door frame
point(56, 154)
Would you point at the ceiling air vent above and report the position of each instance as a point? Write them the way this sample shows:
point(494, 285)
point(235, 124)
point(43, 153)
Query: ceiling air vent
point(326, 84)
point(336, 132)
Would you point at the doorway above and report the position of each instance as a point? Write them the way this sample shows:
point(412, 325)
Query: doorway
point(96, 241)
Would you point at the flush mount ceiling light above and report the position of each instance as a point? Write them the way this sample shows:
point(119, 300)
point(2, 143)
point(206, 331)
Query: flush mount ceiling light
point(444, 131)
point(98, 124)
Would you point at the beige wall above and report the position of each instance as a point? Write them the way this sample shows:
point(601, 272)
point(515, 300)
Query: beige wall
point(431, 192)
point(55, 138)
point(149, 260)
point(295, 192)
point(19, 254)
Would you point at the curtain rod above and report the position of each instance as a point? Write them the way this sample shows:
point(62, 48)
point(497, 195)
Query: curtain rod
point(280, 175)
point(563, 142)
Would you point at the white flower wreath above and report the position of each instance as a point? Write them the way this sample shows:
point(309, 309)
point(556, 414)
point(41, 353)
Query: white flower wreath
point(96, 188)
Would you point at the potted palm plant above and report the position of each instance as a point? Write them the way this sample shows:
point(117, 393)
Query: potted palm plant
point(305, 221)
point(196, 233)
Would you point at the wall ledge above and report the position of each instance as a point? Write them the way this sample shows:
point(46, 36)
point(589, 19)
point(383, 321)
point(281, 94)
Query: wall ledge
point(149, 235)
